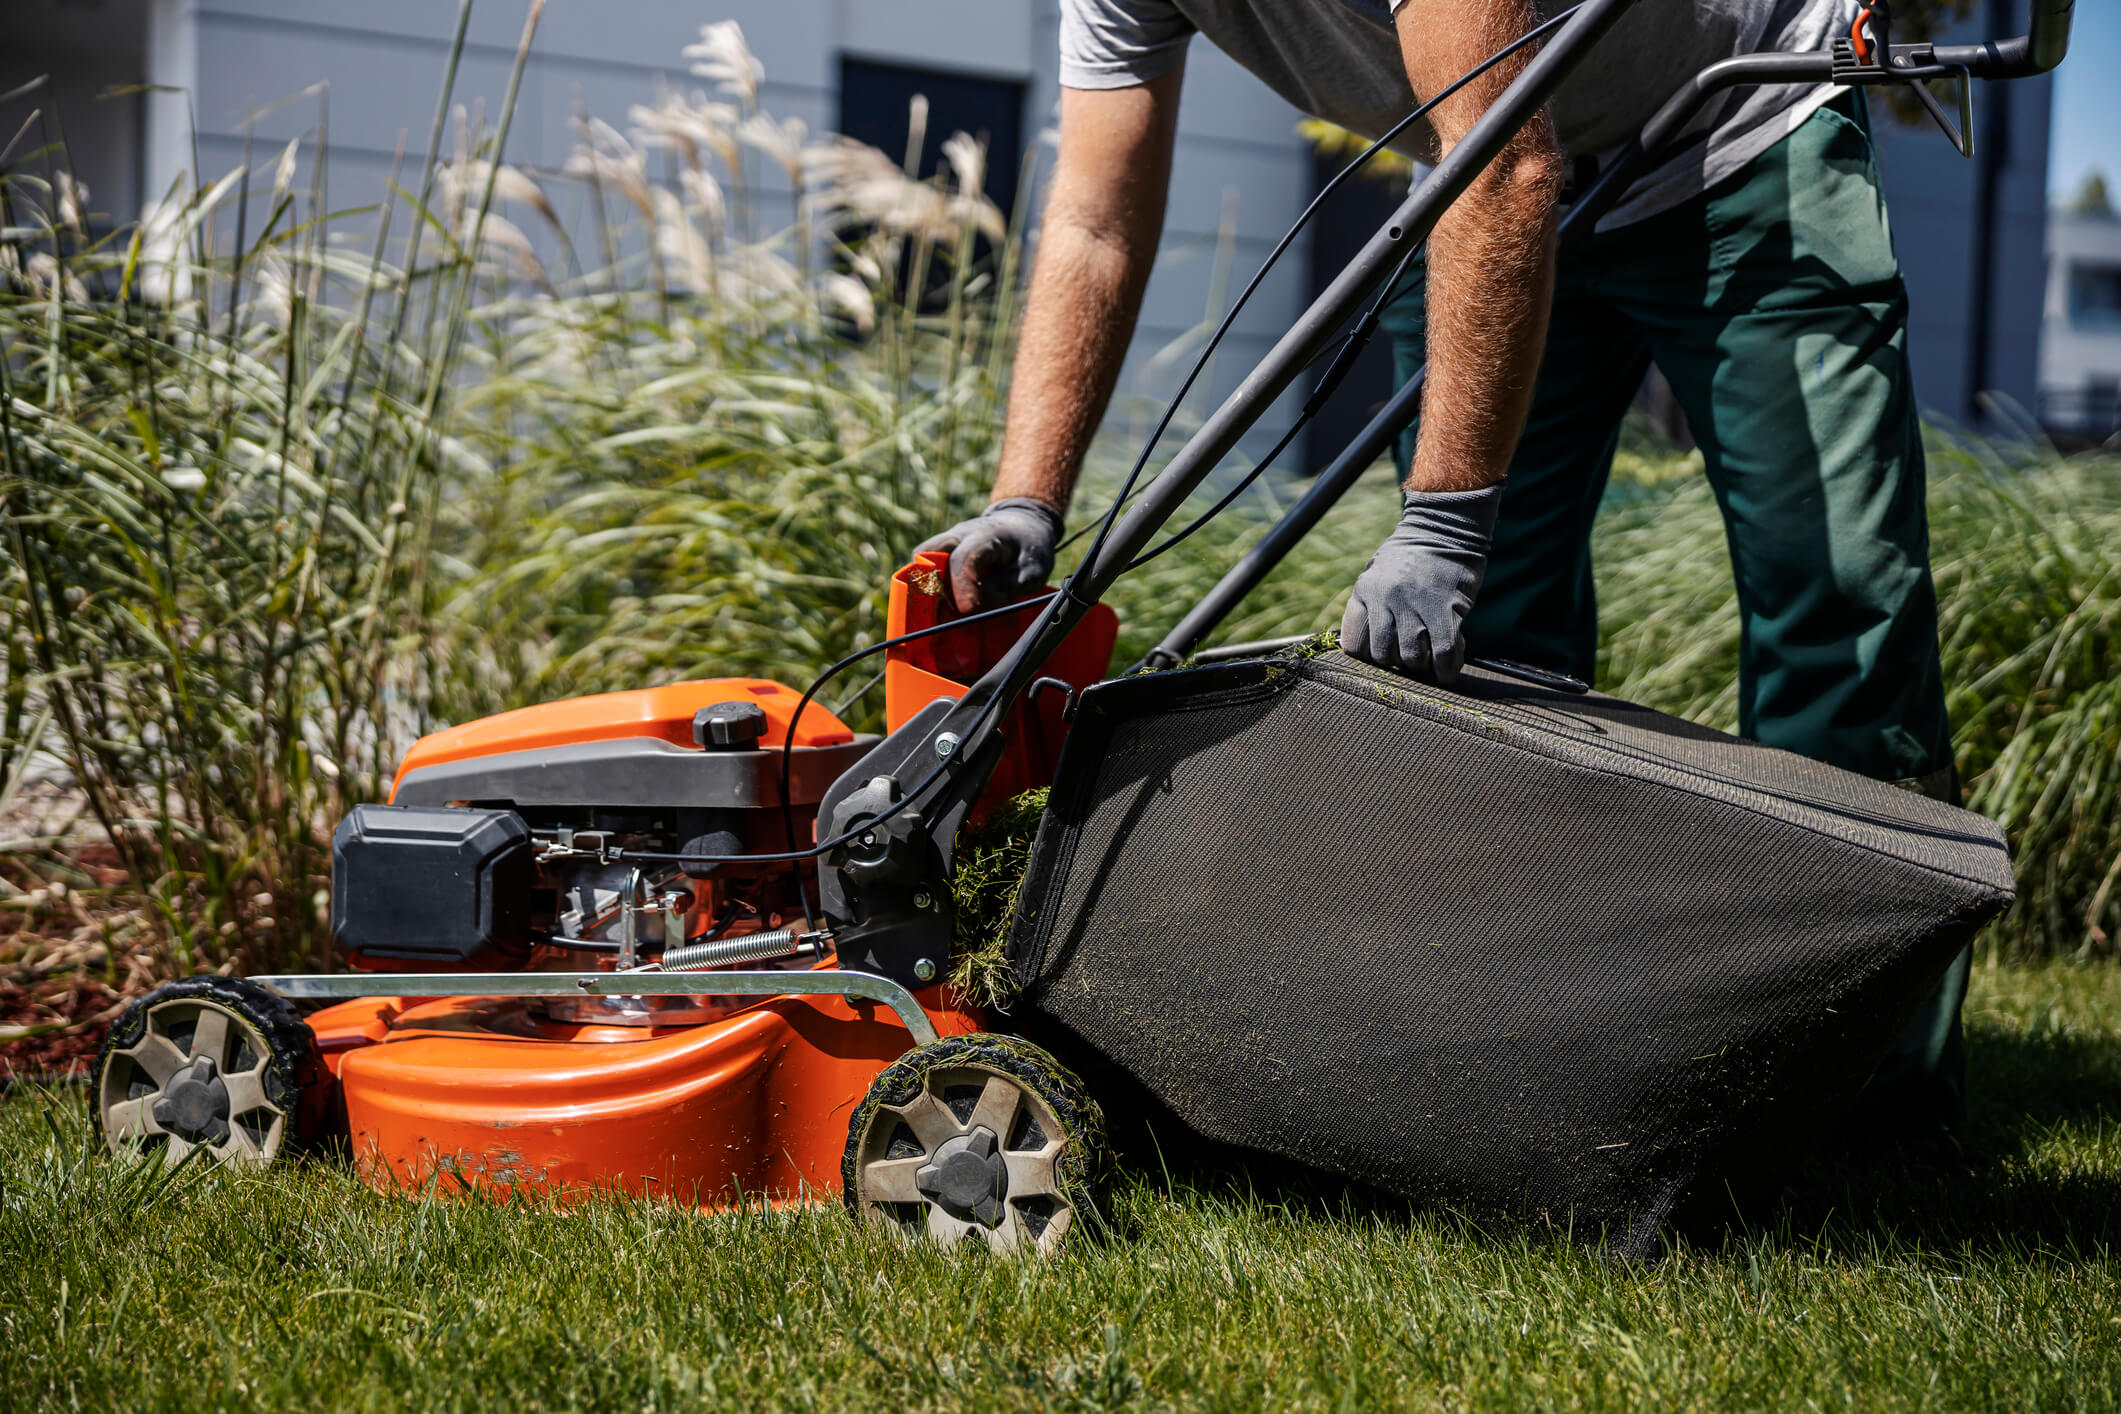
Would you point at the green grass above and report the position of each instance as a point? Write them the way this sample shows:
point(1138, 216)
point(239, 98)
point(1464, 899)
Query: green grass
point(301, 1289)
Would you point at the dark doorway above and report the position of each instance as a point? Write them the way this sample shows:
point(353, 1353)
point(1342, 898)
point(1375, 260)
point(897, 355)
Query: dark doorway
point(874, 102)
point(87, 52)
point(1349, 218)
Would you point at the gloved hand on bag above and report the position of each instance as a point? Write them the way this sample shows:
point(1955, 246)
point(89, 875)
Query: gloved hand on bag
point(1001, 554)
point(1407, 606)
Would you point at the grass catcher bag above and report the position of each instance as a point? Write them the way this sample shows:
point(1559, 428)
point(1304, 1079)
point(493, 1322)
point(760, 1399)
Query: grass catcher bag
point(1499, 948)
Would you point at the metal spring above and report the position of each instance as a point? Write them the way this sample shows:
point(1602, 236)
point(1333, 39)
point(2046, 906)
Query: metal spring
point(727, 952)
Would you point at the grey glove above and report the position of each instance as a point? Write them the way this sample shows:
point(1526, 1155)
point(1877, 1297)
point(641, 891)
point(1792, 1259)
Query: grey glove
point(1001, 554)
point(1407, 606)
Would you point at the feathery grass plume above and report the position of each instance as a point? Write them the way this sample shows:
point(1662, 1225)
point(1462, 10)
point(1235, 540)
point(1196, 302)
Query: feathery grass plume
point(723, 55)
point(782, 140)
point(692, 127)
point(283, 176)
point(72, 198)
point(688, 261)
point(603, 155)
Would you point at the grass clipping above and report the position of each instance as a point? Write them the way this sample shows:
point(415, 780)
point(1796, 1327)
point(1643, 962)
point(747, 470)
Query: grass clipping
point(991, 861)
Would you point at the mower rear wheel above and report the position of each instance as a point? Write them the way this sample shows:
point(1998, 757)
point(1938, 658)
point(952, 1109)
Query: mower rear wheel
point(979, 1138)
point(213, 1063)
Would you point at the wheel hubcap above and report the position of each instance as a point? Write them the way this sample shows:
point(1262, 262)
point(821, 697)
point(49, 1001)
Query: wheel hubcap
point(195, 1104)
point(967, 1178)
point(972, 1156)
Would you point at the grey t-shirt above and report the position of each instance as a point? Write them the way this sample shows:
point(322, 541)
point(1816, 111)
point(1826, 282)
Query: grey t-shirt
point(1340, 60)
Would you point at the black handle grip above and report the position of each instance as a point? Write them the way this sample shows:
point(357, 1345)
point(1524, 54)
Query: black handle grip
point(2043, 45)
point(2048, 36)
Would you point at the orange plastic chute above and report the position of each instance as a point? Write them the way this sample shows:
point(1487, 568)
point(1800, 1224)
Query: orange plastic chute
point(945, 664)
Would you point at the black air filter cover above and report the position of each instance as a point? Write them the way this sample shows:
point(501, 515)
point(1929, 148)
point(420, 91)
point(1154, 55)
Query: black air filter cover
point(420, 886)
point(1500, 948)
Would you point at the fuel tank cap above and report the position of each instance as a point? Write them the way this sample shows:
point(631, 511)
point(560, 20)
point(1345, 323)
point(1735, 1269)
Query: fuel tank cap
point(729, 726)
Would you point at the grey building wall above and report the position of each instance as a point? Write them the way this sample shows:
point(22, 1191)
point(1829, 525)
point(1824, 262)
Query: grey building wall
point(377, 69)
point(2080, 354)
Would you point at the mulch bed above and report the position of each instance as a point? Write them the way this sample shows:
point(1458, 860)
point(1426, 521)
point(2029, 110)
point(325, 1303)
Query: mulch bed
point(67, 964)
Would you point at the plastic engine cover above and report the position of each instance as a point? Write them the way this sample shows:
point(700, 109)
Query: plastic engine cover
point(417, 887)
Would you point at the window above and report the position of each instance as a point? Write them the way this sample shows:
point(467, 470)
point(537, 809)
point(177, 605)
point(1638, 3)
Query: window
point(875, 98)
point(2095, 295)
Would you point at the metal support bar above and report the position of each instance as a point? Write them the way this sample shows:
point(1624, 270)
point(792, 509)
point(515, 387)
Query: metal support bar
point(340, 986)
point(1299, 520)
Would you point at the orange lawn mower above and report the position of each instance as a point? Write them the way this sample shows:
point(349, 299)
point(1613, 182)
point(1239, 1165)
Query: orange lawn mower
point(693, 940)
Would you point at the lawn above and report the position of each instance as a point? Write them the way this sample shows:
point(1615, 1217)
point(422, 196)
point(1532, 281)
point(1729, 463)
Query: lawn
point(301, 1289)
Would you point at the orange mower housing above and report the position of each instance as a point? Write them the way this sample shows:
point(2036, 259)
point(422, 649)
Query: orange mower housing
point(709, 1100)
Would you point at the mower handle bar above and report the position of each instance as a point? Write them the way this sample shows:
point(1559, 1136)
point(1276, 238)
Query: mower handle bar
point(2044, 45)
point(972, 721)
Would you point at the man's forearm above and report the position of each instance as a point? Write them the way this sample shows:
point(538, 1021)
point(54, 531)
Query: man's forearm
point(1490, 259)
point(1491, 281)
point(1086, 293)
point(1103, 220)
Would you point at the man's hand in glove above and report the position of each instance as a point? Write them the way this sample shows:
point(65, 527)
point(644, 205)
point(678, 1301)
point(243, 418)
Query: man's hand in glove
point(1407, 606)
point(1001, 554)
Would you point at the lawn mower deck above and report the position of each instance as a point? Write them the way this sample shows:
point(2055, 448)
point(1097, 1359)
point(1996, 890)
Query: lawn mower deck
point(751, 1102)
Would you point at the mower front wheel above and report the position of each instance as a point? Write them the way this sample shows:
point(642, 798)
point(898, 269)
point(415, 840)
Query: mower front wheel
point(213, 1063)
point(980, 1138)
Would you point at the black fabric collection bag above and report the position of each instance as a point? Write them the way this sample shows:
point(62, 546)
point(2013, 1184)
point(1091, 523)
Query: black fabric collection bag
point(1498, 948)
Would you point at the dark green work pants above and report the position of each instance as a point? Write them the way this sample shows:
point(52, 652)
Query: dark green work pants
point(1774, 306)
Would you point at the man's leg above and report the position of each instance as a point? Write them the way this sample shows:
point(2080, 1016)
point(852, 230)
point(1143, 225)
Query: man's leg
point(1537, 604)
point(1792, 367)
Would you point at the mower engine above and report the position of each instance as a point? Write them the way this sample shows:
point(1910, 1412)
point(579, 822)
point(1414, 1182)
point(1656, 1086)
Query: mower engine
point(509, 844)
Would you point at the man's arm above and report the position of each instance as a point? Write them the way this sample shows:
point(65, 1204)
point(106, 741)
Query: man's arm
point(1096, 246)
point(1491, 257)
point(1490, 282)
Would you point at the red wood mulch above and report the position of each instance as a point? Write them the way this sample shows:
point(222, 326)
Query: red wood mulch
point(68, 963)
